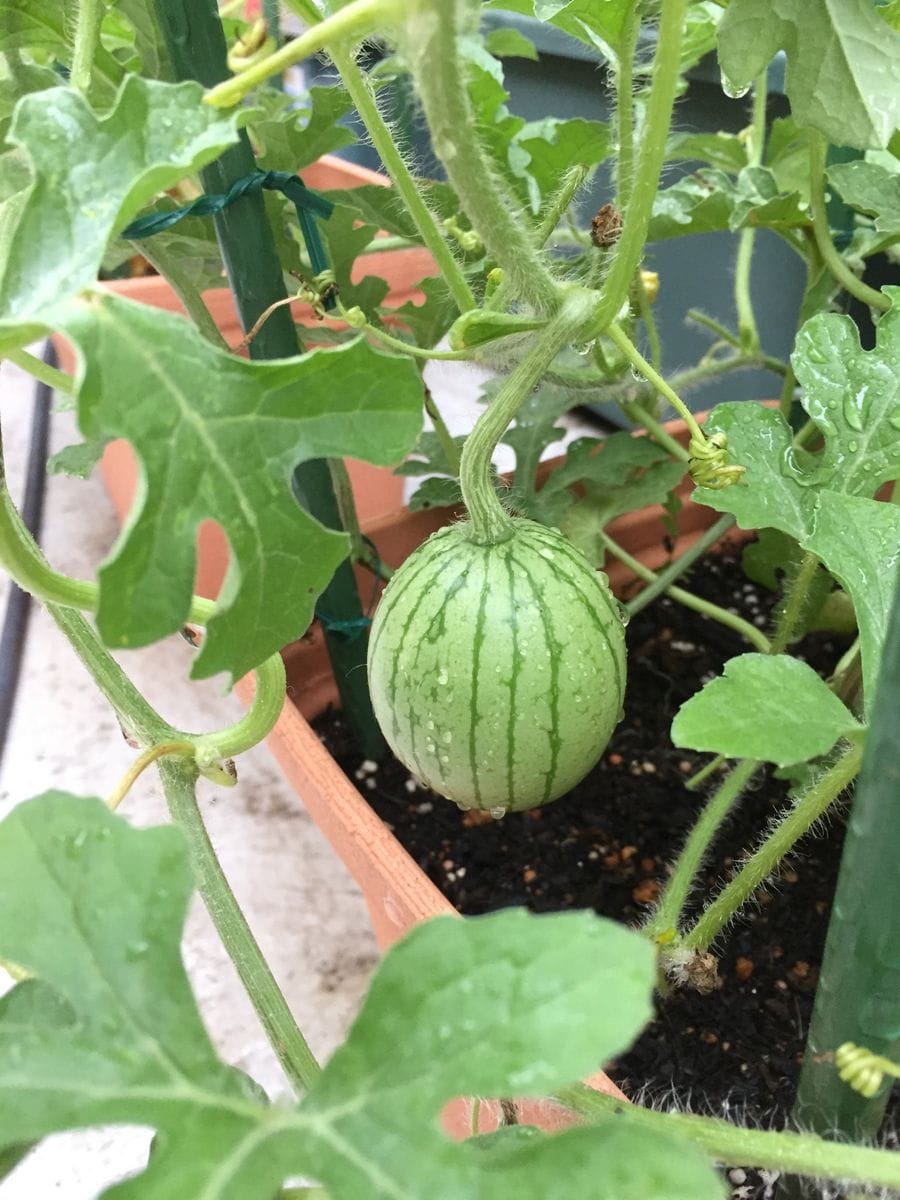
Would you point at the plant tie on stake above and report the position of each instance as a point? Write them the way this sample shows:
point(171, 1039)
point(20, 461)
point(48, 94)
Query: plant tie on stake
point(309, 205)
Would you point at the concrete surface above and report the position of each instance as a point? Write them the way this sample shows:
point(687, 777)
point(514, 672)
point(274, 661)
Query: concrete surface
point(301, 904)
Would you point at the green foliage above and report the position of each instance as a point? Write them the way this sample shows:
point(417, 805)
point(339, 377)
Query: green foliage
point(530, 155)
point(28, 78)
point(89, 176)
point(289, 139)
point(768, 707)
point(853, 100)
point(873, 189)
point(107, 1030)
point(46, 27)
point(612, 476)
point(709, 200)
point(227, 451)
point(599, 26)
point(823, 501)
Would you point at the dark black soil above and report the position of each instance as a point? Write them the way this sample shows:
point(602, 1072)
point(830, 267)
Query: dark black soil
point(605, 846)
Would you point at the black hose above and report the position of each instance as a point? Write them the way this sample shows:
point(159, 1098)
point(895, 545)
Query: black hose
point(18, 603)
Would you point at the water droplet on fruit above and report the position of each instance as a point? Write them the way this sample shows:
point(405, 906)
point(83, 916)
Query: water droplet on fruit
point(498, 812)
point(448, 737)
point(622, 612)
point(853, 447)
point(894, 421)
point(545, 553)
point(136, 950)
point(429, 725)
point(443, 677)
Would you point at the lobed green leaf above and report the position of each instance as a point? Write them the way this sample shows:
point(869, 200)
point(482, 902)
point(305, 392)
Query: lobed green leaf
point(226, 451)
point(107, 1031)
point(90, 175)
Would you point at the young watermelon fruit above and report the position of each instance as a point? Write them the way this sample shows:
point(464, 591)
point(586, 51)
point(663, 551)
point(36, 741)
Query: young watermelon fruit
point(497, 672)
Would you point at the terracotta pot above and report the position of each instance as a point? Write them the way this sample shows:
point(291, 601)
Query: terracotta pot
point(376, 489)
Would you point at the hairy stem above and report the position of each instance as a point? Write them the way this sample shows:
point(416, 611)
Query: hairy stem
point(822, 232)
point(431, 42)
point(624, 82)
point(559, 202)
point(730, 1145)
point(24, 562)
point(753, 635)
point(179, 778)
point(743, 300)
point(667, 915)
point(363, 98)
point(795, 822)
point(490, 523)
point(666, 68)
point(87, 38)
point(789, 618)
point(637, 413)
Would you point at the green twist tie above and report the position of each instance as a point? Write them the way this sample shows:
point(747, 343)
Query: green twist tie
point(309, 205)
point(354, 628)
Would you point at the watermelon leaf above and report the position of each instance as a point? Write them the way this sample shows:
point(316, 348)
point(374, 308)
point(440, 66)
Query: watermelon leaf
point(226, 451)
point(768, 707)
point(107, 1030)
point(89, 176)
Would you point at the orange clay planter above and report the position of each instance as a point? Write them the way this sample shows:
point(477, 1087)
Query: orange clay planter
point(377, 490)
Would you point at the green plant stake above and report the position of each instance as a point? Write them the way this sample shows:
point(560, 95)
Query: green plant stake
point(858, 998)
point(196, 44)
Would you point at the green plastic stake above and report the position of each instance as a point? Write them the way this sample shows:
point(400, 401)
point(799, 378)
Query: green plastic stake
point(858, 997)
point(196, 43)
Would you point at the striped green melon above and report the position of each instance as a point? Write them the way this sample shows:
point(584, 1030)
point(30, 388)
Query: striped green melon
point(497, 672)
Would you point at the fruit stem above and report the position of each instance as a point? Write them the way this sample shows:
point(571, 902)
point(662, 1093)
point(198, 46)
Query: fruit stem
point(490, 522)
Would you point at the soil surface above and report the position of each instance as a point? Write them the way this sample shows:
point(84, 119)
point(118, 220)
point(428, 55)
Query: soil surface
point(735, 1052)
